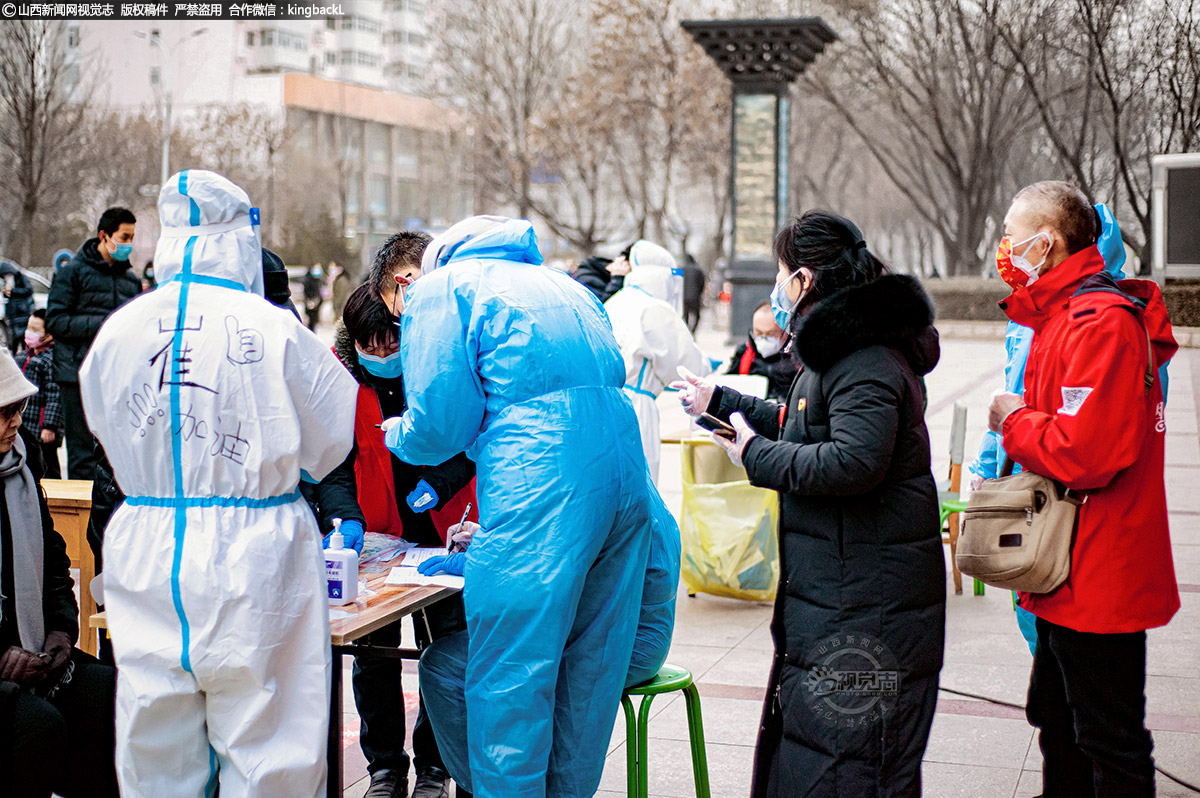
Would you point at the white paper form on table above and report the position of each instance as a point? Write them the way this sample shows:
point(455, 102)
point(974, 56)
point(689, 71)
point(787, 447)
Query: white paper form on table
point(411, 576)
point(414, 557)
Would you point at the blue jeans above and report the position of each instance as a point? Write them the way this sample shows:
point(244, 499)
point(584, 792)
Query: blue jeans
point(443, 674)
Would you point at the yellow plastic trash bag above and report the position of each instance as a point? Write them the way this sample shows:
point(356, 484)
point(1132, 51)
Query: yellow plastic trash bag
point(728, 528)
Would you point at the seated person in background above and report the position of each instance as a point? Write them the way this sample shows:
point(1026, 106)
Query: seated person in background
point(56, 702)
point(375, 489)
point(763, 353)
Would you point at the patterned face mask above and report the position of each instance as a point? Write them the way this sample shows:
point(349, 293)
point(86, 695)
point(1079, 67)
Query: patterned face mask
point(1016, 270)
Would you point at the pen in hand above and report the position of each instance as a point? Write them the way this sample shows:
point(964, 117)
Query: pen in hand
point(449, 537)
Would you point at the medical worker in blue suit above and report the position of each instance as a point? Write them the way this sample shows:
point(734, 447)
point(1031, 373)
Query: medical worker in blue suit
point(1017, 339)
point(516, 364)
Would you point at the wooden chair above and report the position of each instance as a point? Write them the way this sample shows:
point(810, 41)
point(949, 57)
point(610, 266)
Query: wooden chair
point(949, 491)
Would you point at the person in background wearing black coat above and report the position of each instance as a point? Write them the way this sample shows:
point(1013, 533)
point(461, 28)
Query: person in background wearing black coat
point(57, 704)
point(693, 291)
point(18, 303)
point(95, 282)
point(859, 623)
point(603, 276)
point(763, 354)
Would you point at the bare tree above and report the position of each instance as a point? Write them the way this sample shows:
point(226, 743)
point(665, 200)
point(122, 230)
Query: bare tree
point(931, 92)
point(1120, 84)
point(42, 111)
point(505, 59)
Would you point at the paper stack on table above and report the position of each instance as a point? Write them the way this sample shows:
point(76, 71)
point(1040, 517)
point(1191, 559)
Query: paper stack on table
point(416, 556)
point(410, 576)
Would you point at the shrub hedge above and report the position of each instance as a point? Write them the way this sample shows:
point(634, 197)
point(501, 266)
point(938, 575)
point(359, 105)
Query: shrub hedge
point(972, 299)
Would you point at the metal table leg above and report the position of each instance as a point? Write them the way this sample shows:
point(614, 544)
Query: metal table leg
point(334, 755)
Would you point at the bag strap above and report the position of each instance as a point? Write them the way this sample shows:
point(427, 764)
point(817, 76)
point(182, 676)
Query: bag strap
point(1006, 467)
point(1148, 379)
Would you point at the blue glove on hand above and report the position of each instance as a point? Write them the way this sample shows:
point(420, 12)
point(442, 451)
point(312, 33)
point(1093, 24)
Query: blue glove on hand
point(452, 564)
point(423, 498)
point(352, 535)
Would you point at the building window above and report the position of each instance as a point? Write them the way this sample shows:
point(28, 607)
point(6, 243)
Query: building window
point(406, 202)
point(267, 38)
point(414, 6)
point(154, 75)
point(250, 39)
point(379, 196)
point(330, 23)
point(331, 58)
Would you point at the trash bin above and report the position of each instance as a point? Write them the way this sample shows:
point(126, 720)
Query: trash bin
point(728, 527)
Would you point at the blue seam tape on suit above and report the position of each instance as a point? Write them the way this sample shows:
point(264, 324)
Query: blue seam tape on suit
point(204, 279)
point(212, 501)
point(641, 375)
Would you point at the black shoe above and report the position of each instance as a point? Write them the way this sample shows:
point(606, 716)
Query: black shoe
point(387, 783)
point(432, 783)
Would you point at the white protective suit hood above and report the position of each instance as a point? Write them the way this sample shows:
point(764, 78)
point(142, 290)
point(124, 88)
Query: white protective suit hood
point(483, 237)
point(653, 270)
point(209, 231)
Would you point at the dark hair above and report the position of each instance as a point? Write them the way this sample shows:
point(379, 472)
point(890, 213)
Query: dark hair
point(400, 250)
point(367, 319)
point(39, 313)
point(113, 218)
point(832, 248)
point(1063, 206)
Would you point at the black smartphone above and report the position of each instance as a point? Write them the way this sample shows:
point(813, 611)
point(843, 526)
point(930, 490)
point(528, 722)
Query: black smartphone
point(715, 425)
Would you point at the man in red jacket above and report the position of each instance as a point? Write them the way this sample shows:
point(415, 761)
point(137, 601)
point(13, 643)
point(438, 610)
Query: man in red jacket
point(1091, 418)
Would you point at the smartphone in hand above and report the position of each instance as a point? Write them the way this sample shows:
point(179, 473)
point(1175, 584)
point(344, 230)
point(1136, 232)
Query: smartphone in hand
point(716, 426)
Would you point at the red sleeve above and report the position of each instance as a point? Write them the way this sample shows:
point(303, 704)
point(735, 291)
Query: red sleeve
point(1098, 424)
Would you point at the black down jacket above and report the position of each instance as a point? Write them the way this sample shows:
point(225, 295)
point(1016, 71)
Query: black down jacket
point(859, 622)
point(84, 292)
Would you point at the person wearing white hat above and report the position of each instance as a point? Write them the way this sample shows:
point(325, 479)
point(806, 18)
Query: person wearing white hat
point(212, 404)
point(653, 337)
point(50, 692)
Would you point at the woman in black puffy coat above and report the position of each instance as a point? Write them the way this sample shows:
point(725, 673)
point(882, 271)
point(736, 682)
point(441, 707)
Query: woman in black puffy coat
point(859, 622)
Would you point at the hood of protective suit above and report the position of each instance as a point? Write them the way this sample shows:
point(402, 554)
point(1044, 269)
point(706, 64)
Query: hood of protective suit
point(483, 237)
point(208, 232)
point(653, 270)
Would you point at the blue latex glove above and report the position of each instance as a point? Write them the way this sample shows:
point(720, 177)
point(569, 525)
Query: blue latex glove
point(423, 498)
point(452, 564)
point(352, 535)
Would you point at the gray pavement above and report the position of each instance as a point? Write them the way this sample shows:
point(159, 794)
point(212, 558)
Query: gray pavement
point(976, 748)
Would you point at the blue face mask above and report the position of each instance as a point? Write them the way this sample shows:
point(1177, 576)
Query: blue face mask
point(122, 251)
point(385, 368)
point(780, 303)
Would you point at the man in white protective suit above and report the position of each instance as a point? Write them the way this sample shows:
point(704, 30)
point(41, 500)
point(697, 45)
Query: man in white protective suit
point(654, 340)
point(211, 403)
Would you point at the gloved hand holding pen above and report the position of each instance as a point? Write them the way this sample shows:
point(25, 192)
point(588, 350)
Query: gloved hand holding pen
point(460, 535)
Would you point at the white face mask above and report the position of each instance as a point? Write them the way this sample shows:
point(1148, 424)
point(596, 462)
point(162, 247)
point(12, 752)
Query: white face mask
point(1022, 262)
point(767, 345)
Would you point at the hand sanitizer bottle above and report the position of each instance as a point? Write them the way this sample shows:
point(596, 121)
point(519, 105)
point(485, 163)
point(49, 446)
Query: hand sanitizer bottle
point(341, 569)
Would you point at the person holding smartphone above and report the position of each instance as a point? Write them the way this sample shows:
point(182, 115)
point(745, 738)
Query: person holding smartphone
point(862, 581)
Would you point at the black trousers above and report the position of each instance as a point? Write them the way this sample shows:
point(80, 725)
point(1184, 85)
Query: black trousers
point(379, 695)
point(63, 744)
point(1087, 698)
point(81, 446)
point(50, 458)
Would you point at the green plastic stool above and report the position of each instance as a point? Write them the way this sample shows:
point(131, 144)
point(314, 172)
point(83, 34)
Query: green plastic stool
point(949, 508)
point(668, 680)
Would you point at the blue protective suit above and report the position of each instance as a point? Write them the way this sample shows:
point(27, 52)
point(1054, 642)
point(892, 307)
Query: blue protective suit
point(443, 664)
point(1017, 340)
point(516, 364)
